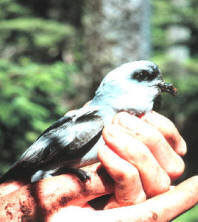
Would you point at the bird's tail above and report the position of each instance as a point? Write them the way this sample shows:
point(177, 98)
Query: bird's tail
point(17, 172)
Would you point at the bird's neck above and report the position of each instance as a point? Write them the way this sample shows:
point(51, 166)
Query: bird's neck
point(136, 99)
point(105, 109)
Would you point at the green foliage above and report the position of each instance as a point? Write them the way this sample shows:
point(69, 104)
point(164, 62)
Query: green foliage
point(32, 96)
point(34, 79)
point(10, 8)
point(163, 17)
point(184, 75)
point(42, 32)
point(25, 85)
point(189, 216)
point(24, 34)
point(168, 13)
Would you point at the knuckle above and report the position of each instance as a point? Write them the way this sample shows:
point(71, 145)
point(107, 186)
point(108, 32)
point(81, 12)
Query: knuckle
point(132, 174)
point(151, 132)
point(161, 186)
point(119, 177)
point(156, 139)
point(176, 169)
point(129, 174)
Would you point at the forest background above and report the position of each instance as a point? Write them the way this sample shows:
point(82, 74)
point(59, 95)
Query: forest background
point(53, 54)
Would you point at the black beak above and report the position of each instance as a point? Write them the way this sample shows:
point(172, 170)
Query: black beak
point(167, 87)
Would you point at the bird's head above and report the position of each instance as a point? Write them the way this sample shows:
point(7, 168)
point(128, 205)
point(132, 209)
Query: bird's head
point(132, 87)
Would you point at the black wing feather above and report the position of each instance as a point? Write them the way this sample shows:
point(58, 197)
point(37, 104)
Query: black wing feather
point(56, 124)
point(67, 139)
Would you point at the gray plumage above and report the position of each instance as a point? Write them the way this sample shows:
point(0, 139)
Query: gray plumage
point(73, 140)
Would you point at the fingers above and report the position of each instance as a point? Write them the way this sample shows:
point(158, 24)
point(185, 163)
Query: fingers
point(153, 177)
point(163, 207)
point(167, 158)
point(128, 187)
point(168, 130)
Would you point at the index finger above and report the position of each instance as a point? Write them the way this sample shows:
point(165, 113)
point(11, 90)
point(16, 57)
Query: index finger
point(168, 130)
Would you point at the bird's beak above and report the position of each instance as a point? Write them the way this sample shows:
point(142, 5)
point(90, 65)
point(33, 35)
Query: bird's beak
point(167, 87)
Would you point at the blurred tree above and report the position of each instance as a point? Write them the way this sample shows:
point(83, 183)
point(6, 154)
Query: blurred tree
point(115, 32)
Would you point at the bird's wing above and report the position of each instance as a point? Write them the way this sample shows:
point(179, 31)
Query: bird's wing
point(67, 139)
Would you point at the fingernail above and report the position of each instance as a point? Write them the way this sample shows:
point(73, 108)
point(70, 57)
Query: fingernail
point(183, 147)
point(110, 131)
point(128, 121)
point(114, 135)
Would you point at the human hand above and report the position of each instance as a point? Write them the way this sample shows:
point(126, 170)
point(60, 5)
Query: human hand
point(145, 150)
point(162, 208)
point(61, 192)
point(64, 198)
point(128, 161)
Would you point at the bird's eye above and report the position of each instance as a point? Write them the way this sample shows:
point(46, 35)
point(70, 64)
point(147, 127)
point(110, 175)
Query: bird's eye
point(142, 75)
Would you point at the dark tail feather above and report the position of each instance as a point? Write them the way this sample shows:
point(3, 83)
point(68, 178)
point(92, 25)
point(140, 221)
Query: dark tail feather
point(17, 172)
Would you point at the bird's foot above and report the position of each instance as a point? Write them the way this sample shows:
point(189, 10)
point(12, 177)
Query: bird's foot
point(81, 174)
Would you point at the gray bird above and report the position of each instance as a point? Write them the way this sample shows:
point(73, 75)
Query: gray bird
point(72, 141)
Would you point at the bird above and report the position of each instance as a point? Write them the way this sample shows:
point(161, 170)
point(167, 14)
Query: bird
point(73, 140)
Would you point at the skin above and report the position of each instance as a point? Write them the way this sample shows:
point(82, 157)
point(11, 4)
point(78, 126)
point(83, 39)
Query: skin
point(141, 158)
